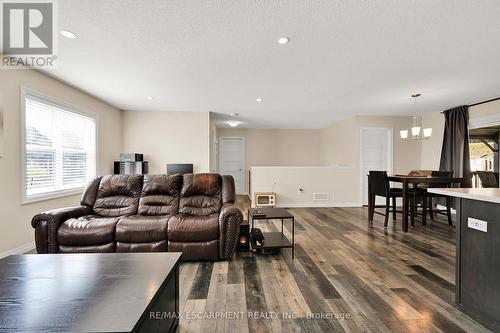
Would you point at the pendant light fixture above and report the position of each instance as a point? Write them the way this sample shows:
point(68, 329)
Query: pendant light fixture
point(416, 126)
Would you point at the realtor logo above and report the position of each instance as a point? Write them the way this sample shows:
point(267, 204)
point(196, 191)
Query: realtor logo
point(28, 36)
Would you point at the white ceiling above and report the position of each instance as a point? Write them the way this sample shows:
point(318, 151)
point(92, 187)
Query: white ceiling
point(345, 57)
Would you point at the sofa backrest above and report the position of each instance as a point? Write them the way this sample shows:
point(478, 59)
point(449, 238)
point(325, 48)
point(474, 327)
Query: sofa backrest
point(90, 193)
point(228, 190)
point(201, 194)
point(118, 195)
point(160, 194)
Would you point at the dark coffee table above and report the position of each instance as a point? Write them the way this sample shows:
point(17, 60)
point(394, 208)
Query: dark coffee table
point(109, 292)
point(273, 240)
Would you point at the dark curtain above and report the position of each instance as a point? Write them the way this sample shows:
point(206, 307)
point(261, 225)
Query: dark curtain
point(455, 152)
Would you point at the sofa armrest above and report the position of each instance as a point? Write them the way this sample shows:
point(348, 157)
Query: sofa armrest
point(230, 219)
point(47, 223)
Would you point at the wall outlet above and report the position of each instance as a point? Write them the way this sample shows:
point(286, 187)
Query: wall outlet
point(477, 224)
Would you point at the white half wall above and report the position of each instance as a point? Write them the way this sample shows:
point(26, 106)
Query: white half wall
point(287, 182)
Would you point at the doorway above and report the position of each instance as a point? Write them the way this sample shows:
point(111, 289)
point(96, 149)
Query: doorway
point(484, 144)
point(376, 154)
point(232, 160)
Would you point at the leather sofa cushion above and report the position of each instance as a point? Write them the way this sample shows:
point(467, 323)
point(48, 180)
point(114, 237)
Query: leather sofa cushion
point(90, 193)
point(191, 228)
point(228, 190)
point(196, 250)
point(87, 230)
point(105, 248)
point(118, 195)
point(201, 194)
point(142, 229)
point(142, 247)
point(160, 195)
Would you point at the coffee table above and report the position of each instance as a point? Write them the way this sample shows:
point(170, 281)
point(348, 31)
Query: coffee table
point(109, 292)
point(273, 240)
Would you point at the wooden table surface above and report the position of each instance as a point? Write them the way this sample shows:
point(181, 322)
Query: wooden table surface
point(106, 292)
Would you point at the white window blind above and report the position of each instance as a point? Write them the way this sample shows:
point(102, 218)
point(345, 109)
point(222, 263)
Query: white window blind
point(59, 148)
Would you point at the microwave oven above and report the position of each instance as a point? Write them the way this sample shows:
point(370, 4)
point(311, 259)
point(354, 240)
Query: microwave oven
point(264, 199)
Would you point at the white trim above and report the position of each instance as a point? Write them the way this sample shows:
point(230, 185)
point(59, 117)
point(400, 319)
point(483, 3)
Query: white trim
point(391, 157)
point(331, 167)
point(24, 92)
point(19, 250)
point(243, 166)
point(486, 121)
point(320, 205)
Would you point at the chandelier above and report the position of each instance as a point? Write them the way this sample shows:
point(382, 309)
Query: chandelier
point(417, 133)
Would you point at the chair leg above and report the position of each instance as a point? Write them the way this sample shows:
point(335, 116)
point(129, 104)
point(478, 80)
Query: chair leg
point(394, 208)
point(431, 208)
point(413, 203)
point(424, 208)
point(387, 205)
point(371, 208)
point(448, 211)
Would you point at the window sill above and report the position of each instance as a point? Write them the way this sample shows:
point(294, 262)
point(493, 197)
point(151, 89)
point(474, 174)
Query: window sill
point(52, 195)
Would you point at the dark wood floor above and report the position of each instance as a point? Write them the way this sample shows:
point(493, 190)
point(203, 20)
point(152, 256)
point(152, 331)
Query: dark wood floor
point(359, 277)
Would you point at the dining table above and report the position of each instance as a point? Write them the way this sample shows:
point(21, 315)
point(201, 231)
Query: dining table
point(412, 181)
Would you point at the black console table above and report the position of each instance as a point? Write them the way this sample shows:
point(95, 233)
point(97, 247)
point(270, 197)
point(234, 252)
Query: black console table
point(105, 292)
point(273, 240)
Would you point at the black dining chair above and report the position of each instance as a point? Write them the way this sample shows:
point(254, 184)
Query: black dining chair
point(380, 186)
point(429, 197)
point(487, 178)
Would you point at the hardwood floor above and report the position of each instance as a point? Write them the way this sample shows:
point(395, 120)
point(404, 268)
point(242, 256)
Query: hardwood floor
point(358, 277)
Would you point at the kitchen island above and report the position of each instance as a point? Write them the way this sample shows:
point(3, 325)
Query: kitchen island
point(477, 291)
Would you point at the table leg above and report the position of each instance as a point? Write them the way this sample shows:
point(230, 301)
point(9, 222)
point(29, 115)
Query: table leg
point(370, 201)
point(293, 238)
point(250, 236)
point(405, 206)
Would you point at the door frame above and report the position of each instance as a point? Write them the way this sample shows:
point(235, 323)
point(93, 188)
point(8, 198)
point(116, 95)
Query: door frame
point(243, 152)
point(390, 131)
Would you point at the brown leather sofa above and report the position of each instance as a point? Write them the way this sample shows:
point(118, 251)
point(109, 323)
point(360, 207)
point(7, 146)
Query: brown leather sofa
point(193, 214)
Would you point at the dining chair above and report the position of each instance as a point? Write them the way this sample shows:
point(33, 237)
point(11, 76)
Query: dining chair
point(487, 178)
point(429, 197)
point(380, 186)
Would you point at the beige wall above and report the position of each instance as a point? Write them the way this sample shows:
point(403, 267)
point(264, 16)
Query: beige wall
point(288, 182)
point(341, 147)
point(168, 137)
point(213, 147)
point(14, 217)
point(431, 149)
point(275, 147)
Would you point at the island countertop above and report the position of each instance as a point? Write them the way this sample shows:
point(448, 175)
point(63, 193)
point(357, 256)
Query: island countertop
point(481, 194)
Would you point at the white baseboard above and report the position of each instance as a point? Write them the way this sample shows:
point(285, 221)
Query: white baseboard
point(19, 250)
point(320, 205)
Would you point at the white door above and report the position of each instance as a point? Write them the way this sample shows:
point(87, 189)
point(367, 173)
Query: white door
point(376, 154)
point(232, 162)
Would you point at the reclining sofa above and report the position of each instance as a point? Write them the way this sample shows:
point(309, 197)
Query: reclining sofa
point(192, 213)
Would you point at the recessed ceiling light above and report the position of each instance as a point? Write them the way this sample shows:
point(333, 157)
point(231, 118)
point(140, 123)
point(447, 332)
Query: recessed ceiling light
point(234, 114)
point(68, 34)
point(150, 98)
point(233, 123)
point(283, 40)
point(260, 100)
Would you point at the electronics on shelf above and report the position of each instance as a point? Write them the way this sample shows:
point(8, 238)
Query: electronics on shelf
point(264, 199)
point(130, 164)
point(181, 168)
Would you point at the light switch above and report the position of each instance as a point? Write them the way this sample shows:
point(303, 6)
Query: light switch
point(477, 224)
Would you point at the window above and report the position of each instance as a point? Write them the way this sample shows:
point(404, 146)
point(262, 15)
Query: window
point(59, 147)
